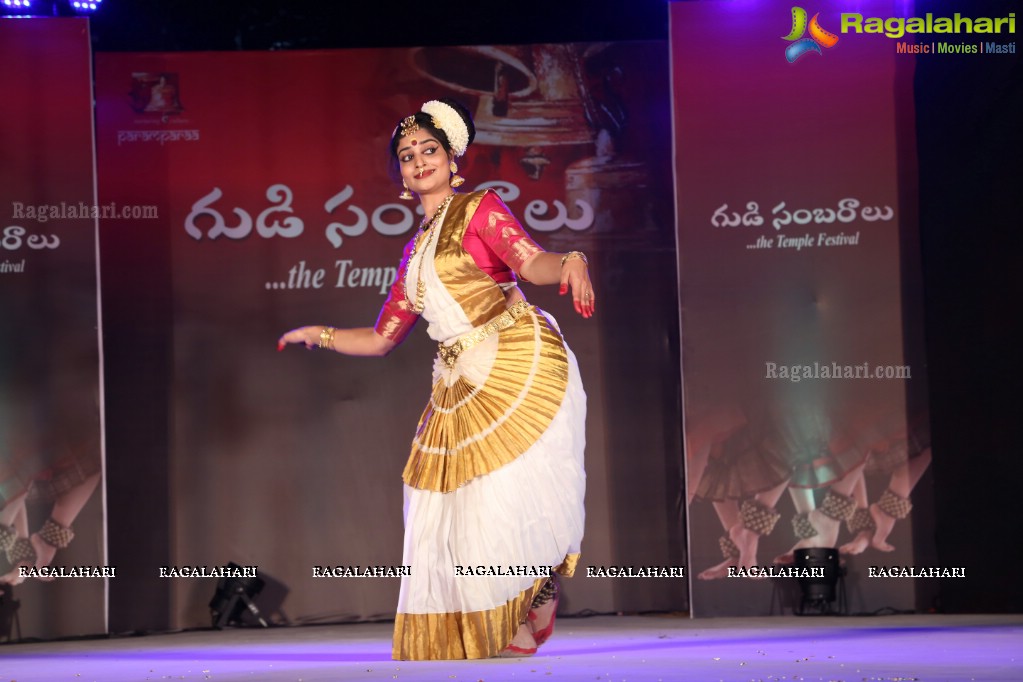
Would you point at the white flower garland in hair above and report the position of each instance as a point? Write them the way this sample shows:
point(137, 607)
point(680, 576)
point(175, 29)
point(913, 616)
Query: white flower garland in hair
point(447, 119)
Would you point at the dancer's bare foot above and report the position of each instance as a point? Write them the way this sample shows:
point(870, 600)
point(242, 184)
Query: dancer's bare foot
point(743, 540)
point(522, 644)
point(12, 577)
point(44, 554)
point(747, 541)
point(884, 525)
point(37, 553)
point(731, 553)
point(541, 618)
point(22, 551)
point(740, 549)
point(717, 571)
point(858, 544)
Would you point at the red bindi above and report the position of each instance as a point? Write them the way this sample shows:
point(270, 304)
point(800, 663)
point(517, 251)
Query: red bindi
point(415, 142)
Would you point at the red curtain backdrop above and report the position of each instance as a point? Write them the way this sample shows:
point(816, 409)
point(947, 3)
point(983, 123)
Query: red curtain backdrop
point(789, 222)
point(50, 442)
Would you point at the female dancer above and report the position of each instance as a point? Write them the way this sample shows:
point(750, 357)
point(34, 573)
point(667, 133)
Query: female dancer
point(495, 477)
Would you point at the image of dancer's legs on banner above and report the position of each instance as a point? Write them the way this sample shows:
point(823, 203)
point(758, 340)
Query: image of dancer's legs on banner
point(63, 490)
point(743, 479)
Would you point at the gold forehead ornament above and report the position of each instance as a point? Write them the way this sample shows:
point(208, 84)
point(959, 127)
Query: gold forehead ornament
point(409, 126)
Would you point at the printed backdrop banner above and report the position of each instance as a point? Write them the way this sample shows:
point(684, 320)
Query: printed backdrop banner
point(270, 175)
point(799, 428)
point(50, 452)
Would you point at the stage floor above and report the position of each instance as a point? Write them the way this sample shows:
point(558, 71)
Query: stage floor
point(613, 649)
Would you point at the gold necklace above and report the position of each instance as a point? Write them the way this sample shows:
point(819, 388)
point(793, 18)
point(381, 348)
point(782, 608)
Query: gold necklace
point(425, 227)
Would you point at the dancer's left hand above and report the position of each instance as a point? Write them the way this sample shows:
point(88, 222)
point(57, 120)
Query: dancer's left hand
point(575, 275)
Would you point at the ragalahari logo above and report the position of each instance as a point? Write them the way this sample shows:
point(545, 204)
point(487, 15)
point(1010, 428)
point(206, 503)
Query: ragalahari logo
point(801, 45)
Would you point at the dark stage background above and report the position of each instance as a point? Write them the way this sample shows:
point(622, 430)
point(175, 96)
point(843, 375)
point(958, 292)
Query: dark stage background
point(969, 148)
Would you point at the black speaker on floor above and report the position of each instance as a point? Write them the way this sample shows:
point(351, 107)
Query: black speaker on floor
point(9, 614)
point(820, 581)
point(233, 598)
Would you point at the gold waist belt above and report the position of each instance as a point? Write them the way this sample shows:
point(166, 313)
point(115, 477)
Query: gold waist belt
point(449, 354)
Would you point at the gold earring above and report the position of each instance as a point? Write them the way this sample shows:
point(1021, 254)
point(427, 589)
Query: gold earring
point(405, 194)
point(456, 180)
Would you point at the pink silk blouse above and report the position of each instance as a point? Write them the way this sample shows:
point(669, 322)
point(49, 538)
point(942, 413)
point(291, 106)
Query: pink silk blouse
point(495, 240)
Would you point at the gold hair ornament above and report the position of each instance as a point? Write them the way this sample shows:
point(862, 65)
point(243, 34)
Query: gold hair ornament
point(409, 126)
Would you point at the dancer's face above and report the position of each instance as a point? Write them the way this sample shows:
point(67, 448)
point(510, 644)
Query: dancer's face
point(423, 162)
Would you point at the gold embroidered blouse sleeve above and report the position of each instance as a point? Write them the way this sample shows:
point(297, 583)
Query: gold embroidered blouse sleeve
point(500, 231)
point(396, 317)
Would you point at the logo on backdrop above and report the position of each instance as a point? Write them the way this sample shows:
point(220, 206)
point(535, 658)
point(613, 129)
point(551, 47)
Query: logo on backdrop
point(156, 97)
point(155, 93)
point(818, 38)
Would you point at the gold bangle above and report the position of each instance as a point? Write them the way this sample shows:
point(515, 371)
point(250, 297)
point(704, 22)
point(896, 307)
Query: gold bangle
point(327, 338)
point(574, 254)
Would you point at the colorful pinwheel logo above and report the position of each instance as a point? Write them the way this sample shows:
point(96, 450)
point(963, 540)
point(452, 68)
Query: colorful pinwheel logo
point(801, 45)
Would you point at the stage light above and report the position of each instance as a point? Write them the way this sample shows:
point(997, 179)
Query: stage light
point(22, 9)
point(233, 597)
point(821, 576)
point(85, 6)
point(58, 8)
